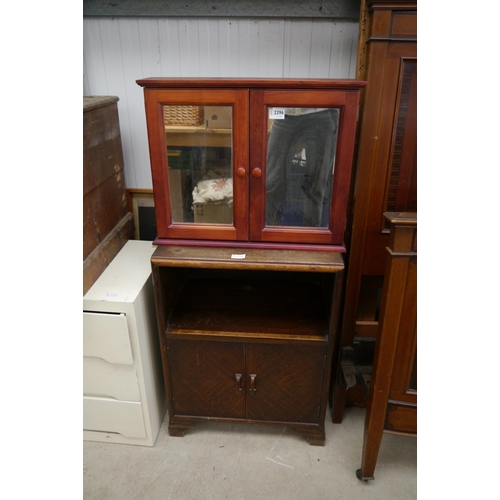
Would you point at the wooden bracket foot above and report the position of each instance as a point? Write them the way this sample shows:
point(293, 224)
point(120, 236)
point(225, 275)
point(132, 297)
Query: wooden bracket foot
point(179, 428)
point(315, 437)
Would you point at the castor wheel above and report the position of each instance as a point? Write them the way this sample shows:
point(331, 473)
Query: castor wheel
point(359, 475)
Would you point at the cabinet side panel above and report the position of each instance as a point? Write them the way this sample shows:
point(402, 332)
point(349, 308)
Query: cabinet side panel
point(151, 378)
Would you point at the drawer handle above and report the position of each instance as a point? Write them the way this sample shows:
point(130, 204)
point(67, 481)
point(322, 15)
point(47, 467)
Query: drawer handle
point(253, 376)
point(238, 383)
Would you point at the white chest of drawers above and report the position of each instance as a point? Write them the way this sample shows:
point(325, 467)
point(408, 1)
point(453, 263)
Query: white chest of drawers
point(123, 389)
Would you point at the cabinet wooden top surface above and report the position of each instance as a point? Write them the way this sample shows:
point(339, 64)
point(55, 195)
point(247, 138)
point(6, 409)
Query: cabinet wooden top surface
point(275, 83)
point(229, 258)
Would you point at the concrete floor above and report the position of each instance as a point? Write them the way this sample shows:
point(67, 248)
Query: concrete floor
point(240, 462)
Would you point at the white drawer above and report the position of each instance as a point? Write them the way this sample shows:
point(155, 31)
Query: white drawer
point(108, 415)
point(104, 379)
point(106, 336)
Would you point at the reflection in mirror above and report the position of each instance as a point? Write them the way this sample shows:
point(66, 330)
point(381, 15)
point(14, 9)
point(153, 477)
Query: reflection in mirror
point(199, 156)
point(301, 151)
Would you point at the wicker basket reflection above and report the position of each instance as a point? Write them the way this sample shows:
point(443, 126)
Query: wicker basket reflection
point(183, 115)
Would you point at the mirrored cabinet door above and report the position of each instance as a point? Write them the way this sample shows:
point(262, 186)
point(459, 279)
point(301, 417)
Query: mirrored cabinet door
point(199, 155)
point(301, 165)
point(205, 164)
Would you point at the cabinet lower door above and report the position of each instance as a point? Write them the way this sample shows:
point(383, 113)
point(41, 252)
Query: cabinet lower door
point(207, 378)
point(284, 383)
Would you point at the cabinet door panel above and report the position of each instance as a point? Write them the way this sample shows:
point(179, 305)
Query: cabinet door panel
point(300, 164)
point(204, 378)
point(287, 382)
point(199, 158)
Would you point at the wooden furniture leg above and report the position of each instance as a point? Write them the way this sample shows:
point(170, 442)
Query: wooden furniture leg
point(388, 388)
point(338, 403)
point(346, 378)
point(337, 392)
point(372, 438)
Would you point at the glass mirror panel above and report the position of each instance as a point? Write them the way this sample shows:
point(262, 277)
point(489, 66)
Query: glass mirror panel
point(199, 154)
point(302, 143)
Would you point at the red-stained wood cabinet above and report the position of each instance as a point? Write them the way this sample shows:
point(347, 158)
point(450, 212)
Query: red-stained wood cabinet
point(258, 162)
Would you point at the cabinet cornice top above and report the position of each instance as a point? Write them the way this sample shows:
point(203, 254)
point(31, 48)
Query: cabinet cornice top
point(275, 83)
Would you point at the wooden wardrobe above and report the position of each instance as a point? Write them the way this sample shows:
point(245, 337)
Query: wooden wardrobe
point(386, 179)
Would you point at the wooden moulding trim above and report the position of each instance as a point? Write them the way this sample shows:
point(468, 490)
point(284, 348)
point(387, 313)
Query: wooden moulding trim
point(401, 254)
point(391, 39)
point(392, 5)
point(241, 245)
point(247, 266)
point(402, 218)
point(276, 266)
point(366, 329)
point(247, 337)
point(301, 427)
point(401, 418)
point(134, 191)
point(400, 433)
point(280, 83)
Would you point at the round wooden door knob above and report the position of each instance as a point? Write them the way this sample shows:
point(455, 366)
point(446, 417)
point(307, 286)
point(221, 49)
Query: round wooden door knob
point(257, 172)
point(240, 172)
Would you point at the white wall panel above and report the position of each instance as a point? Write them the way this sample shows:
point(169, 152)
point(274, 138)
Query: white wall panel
point(118, 51)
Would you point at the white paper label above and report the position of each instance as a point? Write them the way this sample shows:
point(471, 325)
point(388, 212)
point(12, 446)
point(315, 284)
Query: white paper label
point(238, 256)
point(276, 113)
